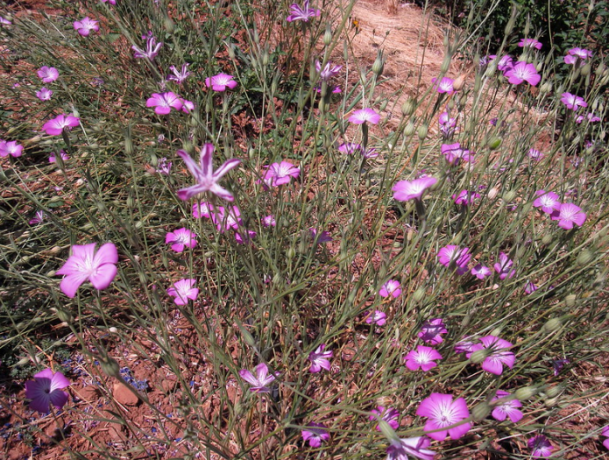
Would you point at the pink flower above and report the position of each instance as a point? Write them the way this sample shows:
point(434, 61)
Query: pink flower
point(445, 85)
point(362, 116)
point(48, 74)
point(557, 365)
point(163, 166)
point(480, 271)
point(529, 288)
point(590, 116)
point(5, 21)
point(181, 238)
point(389, 414)
point(605, 433)
point(226, 218)
point(328, 71)
point(269, 221)
point(465, 198)
point(443, 412)
point(377, 317)
point(38, 218)
point(87, 264)
point(390, 288)
point(523, 71)
point(10, 148)
point(152, 49)
point(319, 359)
point(496, 358)
point(575, 54)
point(280, 173)
point(202, 209)
point(260, 381)
point(207, 179)
point(454, 153)
point(572, 101)
point(530, 42)
point(188, 106)
point(540, 446)
point(464, 346)
point(505, 63)
point(503, 267)
point(44, 94)
point(111, 2)
point(63, 155)
point(302, 14)
point(315, 434)
point(179, 76)
point(400, 449)
point(85, 26)
point(447, 124)
point(164, 102)
point(408, 190)
point(349, 147)
point(324, 236)
point(454, 254)
point(183, 290)
point(535, 154)
point(568, 214)
point(508, 408)
point(431, 330)
point(422, 358)
point(547, 201)
point(220, 82)
point(56, 125)
point(45, 390)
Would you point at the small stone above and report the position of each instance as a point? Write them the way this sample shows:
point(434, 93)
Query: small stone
point(124, 395)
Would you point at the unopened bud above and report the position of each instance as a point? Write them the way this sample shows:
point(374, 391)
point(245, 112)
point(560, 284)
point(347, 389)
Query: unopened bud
point(586, 69)
point(525, 393)
point(291, 253)
point(479, 355)
point(445, 64)
point(547, 239)
point(570, 300)
point(494, 143)
point(554, 391)
point(231, 51)
point(552, 325)
point(418, 295)
point(388, 431)
point(546, 87)
point(328, 35)
point(110, 367)
point(459, 82)
point(265, 58)
point(422, 131)
point(64, 316)
point(378, 65)
point(249, 339)
point(409, 129)
point(409, 107)
point(481, 411)
point(585, 257)
point(509, 196)
point(492, 193)
point(551, 402)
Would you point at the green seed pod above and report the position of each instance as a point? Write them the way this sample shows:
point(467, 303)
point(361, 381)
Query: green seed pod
point(552, 325)
point(128, 145)
point(249, 339)
point(481, 411)
point(599, 70)
point(466, 320)
point(388, 431)
point(585, 257)
point(496, 332)
point(383, 105)
point(525, 393)
point(418, 295)
point(154, 161)
point(546, 87)
point(409, 129)
point(491, 69)
point(451, 104)
point(551, 402)
point(422, 131)
point(143, 279)
point(445, 64)
point(554, 391)
point(265, 58)
point(409, 107)
point(494, 143)
point(328, 34)
point(570, 300)
point(378, 65)
point(479, 355)
point(110, 367)
point(547, 239)
point(231, 51)
point(586, 69)
point(64, 315)
point(291, 253)
point(509, 196)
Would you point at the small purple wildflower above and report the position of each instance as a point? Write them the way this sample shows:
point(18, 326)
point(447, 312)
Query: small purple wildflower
point(44, 94)
point(280, 173)
point(540, 446)
point(302, 14)
point(48, 74)
point(530, 42)
point(422, 358)
point(547, 201)
point(389, 414)
point(377, 318)
point(221, 82)
point(62, 154)
point(568, 214)
point(523, 71)
point(164, 102)
point(495, 361)
point(390, 288)
point(408, 190)
point(315, 434)
point(56, 125)
point(11, 148)
point(431, 330)
point(481, 271)
point(152, 48)
point(260, 381)
point(507, 408)
point(179, 76)
point(362, 116)
point(328, 71)
point(454, 254)
point(183, 290)
point(400, 449)
point(503, 267)
point(572, 101)
point(443, 412)
point(445, 85)
point(85, 26)
point(465, 198)
point(320, 359)
point(181, 239)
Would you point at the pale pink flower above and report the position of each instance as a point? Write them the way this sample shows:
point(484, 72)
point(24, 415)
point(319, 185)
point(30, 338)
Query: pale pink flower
point(62, 154)
point(529, 288)
point(324, 236)
point(362, 116)
point(44, 94)
point(505, 63)
point(328, 71)
point(87, 264)
point(56, 125)
point(390, 288)
point(45, 390)
point(269, 221)
point(221, 82)
point(547, 201)
point(377, 317)
point(280, 173)
point(530, 42)
point(4, 21)
point(523, 71)
point(465, 198)
point(540, 446)
point(508, 408)
point(443, 413)
point(454, 254)
point(302, 14)
point(504, 267)
point(408, 190)
point(535, 154)
point(575, 54)
point(465, 346)
point(454, 153)
point(431, 330)
point(447, 124)
point(10, 148)
point(85, 26)
point(320, 359)
point(568, 214)
point(180, 239)
point(111, 2)
point(179, 76)
point(202, 209)
point(188, 106)
point(389, 414)
point(163, 166)
point(605, 433)
point(38, 218)
point(315, 434)
point(260, 381)
point(164, 102)
point(422, 358)
point(349, 147)
point(183, 290)
point(445, 85)
point(497, 358)
point(48, 74)
point(226, 218)
point(481, 271)
point(590, 116)
point(572, 101)
point(151, 51)
point(400, 449)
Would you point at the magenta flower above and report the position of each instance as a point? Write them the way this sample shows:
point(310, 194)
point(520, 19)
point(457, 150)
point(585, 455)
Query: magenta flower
point(362, 116)
point(319, 359)
point(431, 330)
point(454, 153)
point(260, 381)
point(535, 154)
point(540, 446)
point(45, 390)
point(328, 71)
point(465, 346)
point(181, 238)
point(377, 317)
point(496, 358)
point(269, 221)
point(389, 414)
point(44, 94)
point(324, 236)
point(415, 447)
point(62, 154)
point(523, 71)
point(568, 214)
point(408, 190)
point(202, 209)
point(390, 288)
point(465, 198)
point(315, 434)
point(48, 74)
point(557, 365)
point(226, 218)
point(349, 147)
point(572, 101)
point(10, 148)
point(164, 102)
point(575, 54)
point(422, 358)
point(179, 76)
point(207, 179)
point(188, 106)
point(508, 408)
point(530, 42)
point(443, 412)
point(445, 85)
point(503, 267)
point(454, 254)
point(87, 264)
point(111, 2)
point(590, 116)
point(152, 49)
point(38, 218)
point(505, 63)
point(529, 288)
point(220, 82)
point(447, 124)
point(280, 173)
point(481, 271)
point(547, 201)
point(163, 166)
point(56, 125)
point(302, 14)
point(85, 26)
point(183, 290)
point(5, 21)
point(606, 434)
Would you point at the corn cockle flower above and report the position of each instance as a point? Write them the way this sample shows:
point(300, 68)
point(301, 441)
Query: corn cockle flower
point(207, 179)
point(590, 116)
point(5, 21)
point(465, 346)
point(481, 271)
point(260, 381)
point(226, 218)
point(85, 26)
point(442, 412)
point(183, 290)
point(56, 125)
point(507, 408)
point(529, 288)
point(349, 147)
point(504, 267)
point(180, 239)
point(377, 317)
point(328, 71)
point(362, 116)
point(605, 433)
point(572, 101)
point(45, 390)
point(324, 236)
point(63, 155)
point(48, 74)
point(412, 190)
point(575, 54)
point(179, 76)
point(535, 154)
point(164, 102)
point(454, 153)
point(163, 166)
point(38, 218)
point(422, 358)
point(315, 434)
point(557, 365)
point(302, 14)
point(540, 446)
point(465, 198)
point(568, 214)
point(390, 288)
point(497, 355)
point(10, 148)
point(400, 449)
point(389, 414)
point(447, 124)
point(44, 94)
point(220, 82)
point(547, 201)
point(111, 2)
point(280, 173)
point(269, 221)
point(530, 42)
point(320, 359)
point(523, 71)
point(505, 63)
point(87, 264)
point(431, 330)
point(152, 49)
point(445, 85)
point(454, 254)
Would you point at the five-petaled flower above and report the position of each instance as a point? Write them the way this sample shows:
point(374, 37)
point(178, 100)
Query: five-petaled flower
point(445, 85)
point(362, 116)
point(45, 390)
point(454, 254)
point(328, 71)
point(48, 74)
point(179, 76)
point(302, 14)
point(280, 173)
point(320, 359)
point(85, 26)
point(412, 190)
point(183, 290)
point(220, 82)
point(572, 101)
point(481, 271)
point(496, 354)
point(465, 197)
point(530, 42)
point(400, 449)
point(87, 264)
point(568, 214)
point(454, 153)
point(504, 266)
point(431, 330)
point(540, 446)
point(390, 288)
point(180, 239)
point(62, 154)
point(164, 102)
point(389, 415)
point(56, 125)
point(152, 49)
point(38, 217)
point(260, 381)
point(11, 148)
point(506, 408)
point(443, 413)
point(422, 358)
point(377, 317)
point(605, 433)
point(547, 201)
point(44, 94)
point(523, 71)
point(575, 54)
point(207, 179)
point(315, 434)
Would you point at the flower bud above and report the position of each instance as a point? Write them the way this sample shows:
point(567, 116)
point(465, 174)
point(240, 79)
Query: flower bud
point(64, 316)
point(481, 411)
point(570, 300)
point(388, 431)
point(419, 294)
point(169, 25)
point(551, 402)
point(509, 196)
point(249, 339)
point(554, 391)
point(553, 324)
point(265, 57)
point(492, 193)
point(422, 131)
point(496, 332)
point(328, 35)
point(291, 253)
point(547, 239)
point(586, 69)
point(459, 82)
point(445, 64)
point(491, 69)
point(409, 107)
point(599, 70)
point(466, 320)
point(231, 51)
point(110, 367)
point(494, 143)
point(585, 257)
point(546, 87)
point(479, 355)
point(525, 393)
point(409, 129)
point(378, 65)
